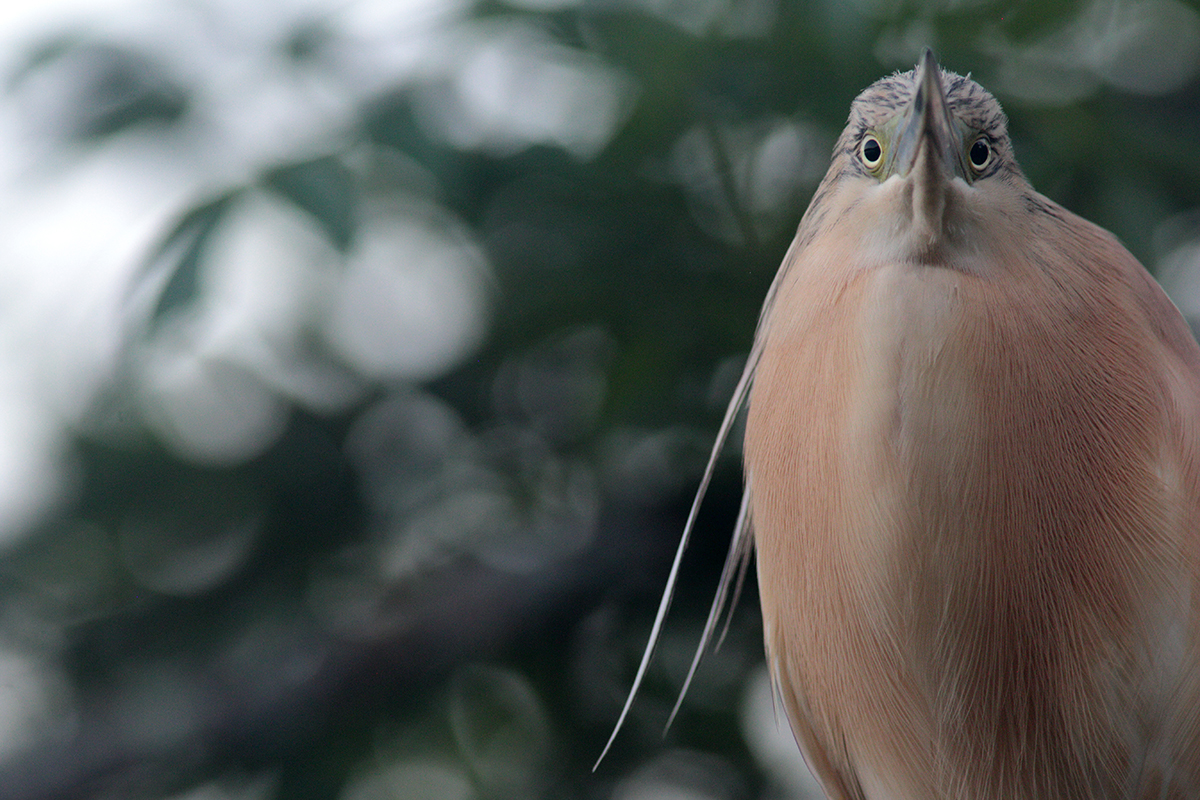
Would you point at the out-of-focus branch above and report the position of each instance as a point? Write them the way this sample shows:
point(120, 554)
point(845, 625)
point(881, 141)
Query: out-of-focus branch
point(314, 677)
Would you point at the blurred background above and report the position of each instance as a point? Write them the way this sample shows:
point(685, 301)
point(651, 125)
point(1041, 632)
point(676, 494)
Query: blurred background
point(359, 359)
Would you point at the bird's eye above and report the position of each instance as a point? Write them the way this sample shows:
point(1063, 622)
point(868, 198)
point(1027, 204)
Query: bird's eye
point(871, 151)
point(980, 154)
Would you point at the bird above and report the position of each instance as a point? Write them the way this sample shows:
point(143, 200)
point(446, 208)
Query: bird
point(972, 478)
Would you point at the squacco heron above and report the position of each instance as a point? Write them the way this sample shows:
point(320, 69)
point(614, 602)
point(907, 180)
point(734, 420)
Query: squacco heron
point(972, 462)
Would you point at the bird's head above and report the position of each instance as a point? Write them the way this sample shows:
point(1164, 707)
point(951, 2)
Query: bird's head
point(925, 160)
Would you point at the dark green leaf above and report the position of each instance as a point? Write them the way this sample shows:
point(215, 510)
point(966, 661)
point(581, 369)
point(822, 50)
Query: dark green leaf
point(182, 252)
point(102, 88)
point(325, 188)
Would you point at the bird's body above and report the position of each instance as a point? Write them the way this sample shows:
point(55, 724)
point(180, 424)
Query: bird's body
point(973, 453)
point(973, 478)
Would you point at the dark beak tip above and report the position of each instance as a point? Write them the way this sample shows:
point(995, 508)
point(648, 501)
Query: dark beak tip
point(928, 79)
point(929, 122)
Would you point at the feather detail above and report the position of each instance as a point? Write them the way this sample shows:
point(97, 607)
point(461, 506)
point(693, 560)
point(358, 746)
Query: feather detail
point(740, 393)
point(741, 545)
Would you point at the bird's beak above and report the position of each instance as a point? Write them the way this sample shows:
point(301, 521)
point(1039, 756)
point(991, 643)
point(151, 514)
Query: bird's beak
point(926, 128)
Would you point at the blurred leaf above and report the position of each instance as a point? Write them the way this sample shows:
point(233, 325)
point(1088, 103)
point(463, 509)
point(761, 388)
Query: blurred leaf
point(325, 188)
point(185, 245)
point(97, 89)
point(128, 88)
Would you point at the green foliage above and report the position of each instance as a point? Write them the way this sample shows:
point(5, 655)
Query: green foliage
point(290, 563)
point(181, 253)
point(325, 188)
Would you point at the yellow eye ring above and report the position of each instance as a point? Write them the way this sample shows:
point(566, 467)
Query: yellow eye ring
point(980, 154)
point(870, 152)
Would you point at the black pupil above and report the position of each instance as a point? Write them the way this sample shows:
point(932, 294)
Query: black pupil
point(980, 152)
point(872, 151)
